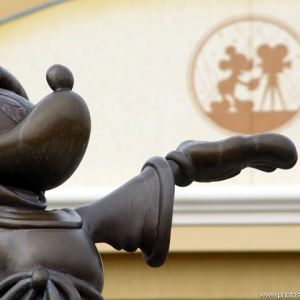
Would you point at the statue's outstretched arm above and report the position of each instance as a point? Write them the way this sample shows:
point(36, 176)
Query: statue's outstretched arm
point(139, 213)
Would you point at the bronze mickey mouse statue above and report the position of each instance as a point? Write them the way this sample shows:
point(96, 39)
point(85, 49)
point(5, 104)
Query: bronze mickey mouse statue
point(51, 254)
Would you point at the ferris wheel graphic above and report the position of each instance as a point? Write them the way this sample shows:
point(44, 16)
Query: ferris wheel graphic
point(244, 74)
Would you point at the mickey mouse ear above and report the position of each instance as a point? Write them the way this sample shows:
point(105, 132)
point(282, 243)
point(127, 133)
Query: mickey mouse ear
point(10, 82)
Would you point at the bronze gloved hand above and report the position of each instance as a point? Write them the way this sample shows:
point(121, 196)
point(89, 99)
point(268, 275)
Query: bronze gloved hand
point(215, 161)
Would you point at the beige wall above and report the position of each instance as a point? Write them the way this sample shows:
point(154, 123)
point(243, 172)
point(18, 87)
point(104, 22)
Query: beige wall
point(201, 276)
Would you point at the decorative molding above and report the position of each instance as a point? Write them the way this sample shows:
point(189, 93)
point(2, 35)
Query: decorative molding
point(16, 8)
point(222, 205)
point(236, 205)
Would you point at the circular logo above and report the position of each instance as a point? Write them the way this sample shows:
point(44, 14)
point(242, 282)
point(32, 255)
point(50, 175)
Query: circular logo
point(244, 74)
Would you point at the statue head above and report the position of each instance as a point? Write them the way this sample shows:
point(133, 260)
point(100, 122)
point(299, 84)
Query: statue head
point(40, 145)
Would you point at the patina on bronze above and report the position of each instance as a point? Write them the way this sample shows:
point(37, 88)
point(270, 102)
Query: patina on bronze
point(52, 254)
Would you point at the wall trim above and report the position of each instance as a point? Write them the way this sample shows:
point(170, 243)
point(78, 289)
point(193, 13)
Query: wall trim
point(29, 8)
point(222, 205)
